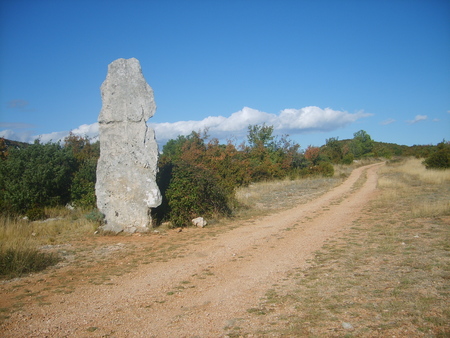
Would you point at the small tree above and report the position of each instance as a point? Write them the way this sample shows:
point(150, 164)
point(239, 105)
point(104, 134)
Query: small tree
point(36, 176)
point(82, 189)
point(333, 149)
point(270, 157)
point(86, 154)
point(260, 136)
point(193, 192)
point(197, 178)
point(362, 144)
point(312, 154)
point(3, 149)
point(82, 148)
point(440, 159)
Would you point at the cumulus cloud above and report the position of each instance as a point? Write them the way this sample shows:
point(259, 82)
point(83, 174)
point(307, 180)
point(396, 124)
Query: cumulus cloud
point(89, 130)
point(18, 133)
point(315, 119)
point(23, 136)
point(85, 130)
point(418, 118)
point(291, 121)
point(218, 126)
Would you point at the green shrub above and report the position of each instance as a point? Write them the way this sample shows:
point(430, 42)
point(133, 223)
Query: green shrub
point(35, 214)
point(95, 216)
point(37, 175)
point(348, 159)
point(82, 190)
point(326, 169)
point(440, 159)
point(194, 191)
point(362, 144)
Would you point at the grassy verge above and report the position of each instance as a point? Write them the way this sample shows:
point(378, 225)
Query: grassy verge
point(21, 241)
point(265, 197)
point(389, 276)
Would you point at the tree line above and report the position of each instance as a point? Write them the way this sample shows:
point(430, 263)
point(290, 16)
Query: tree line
point(197, 175)
point(38, 175)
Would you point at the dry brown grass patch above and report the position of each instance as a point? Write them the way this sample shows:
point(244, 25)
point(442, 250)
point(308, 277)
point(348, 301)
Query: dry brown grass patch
point(263, 197)
point(389, 276)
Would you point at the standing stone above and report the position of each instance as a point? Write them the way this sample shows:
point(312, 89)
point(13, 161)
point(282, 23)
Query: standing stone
point(126, 171)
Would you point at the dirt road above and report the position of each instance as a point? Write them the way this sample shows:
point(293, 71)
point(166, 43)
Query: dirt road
point(212, 286)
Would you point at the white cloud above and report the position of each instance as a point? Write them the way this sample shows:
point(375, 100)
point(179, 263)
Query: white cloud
point(89, 130)
point(85, 130)
point(218, 126)
point(418, 118)
point(386, 122)
point(52, 137)
point(292, 121)
point(315, 119)
point(22, 136)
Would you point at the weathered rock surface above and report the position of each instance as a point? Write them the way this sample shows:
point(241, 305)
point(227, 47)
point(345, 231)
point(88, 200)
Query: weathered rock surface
point(126, 171)
point(199, 222)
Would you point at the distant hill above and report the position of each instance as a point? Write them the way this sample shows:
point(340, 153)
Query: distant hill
point(384, 149)
point(381, 149)
point(14, 144)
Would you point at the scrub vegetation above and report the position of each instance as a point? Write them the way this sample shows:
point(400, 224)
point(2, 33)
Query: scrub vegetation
point(198, 176)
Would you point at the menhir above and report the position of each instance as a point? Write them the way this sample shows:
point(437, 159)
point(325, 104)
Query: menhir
point(126, 171)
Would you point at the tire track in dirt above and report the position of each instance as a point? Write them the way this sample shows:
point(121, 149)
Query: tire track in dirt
point(212, 286)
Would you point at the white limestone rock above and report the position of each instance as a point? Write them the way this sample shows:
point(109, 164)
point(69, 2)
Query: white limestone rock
point(126, 171)
point(199, 222)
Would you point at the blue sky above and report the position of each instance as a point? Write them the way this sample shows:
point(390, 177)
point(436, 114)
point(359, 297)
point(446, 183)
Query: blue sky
point(313, 69)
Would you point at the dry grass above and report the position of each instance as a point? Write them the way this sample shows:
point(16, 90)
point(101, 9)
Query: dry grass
point(21, 241)
point(416, 169)
point(344, 170)
point(411, 183)
point(389, 276)
point(264, 197)
point(62, 226)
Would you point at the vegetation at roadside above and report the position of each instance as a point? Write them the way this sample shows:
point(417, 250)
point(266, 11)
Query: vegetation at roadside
point(37, 181)
point(439, 157)
point(197, 176)
point(36, 176)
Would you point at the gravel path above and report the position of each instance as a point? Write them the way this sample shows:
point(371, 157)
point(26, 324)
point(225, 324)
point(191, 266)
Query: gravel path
point(211, 287)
